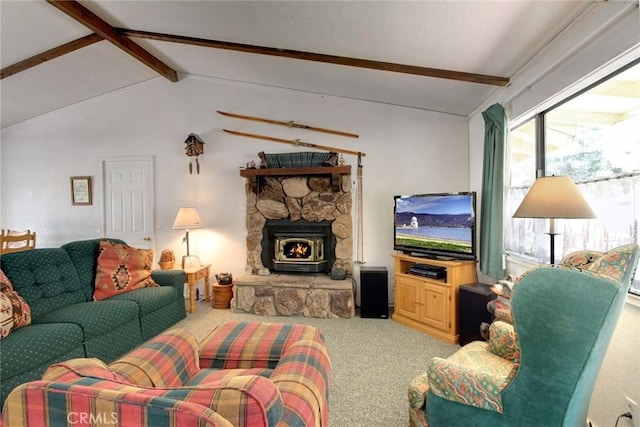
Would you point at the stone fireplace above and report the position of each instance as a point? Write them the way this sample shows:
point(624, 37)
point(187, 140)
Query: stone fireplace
point(301, 206)
point(299, 226)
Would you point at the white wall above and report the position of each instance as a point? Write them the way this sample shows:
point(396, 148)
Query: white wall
point(407, 151)
point(606, 38)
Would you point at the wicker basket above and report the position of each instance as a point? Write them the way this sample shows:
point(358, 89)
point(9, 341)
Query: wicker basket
point(166, 265)
point(167, 259)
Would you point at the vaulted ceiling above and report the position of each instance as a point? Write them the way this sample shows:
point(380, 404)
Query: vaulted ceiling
point(445, 56)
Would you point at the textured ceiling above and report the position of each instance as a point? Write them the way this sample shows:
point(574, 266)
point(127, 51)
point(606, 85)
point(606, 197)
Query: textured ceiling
point(484, 37)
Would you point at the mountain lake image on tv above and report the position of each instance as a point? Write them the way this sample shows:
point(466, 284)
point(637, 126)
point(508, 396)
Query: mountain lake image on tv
point(436, 225)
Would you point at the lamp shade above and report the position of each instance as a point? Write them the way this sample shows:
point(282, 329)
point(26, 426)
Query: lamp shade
point(554, 197)
point(187, 218)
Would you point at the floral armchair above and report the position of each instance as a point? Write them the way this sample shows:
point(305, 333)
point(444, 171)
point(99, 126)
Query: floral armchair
point(541, 370)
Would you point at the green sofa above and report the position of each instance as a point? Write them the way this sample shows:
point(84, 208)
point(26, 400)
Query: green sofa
point(66, 323)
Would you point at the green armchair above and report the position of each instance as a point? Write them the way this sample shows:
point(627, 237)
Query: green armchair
point(541, 370)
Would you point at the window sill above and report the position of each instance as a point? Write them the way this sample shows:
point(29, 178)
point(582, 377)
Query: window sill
point(633, 300)
point(518, 263)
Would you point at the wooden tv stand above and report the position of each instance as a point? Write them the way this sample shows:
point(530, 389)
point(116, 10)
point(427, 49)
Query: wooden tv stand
point(426, 304)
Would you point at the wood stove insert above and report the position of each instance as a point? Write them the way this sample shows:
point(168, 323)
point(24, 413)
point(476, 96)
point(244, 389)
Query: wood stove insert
point(298, 246)
point(299, 252)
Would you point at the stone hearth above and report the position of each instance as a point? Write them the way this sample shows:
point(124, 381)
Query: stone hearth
point(309, 295)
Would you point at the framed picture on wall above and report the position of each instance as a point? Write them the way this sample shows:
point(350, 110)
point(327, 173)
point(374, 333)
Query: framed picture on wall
point(81, 190)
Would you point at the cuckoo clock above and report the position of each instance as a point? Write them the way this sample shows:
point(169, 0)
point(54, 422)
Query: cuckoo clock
point(195, 147)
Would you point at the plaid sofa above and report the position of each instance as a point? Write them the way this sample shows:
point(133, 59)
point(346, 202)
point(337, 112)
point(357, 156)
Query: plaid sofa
point(58, 284)
point(242, 374)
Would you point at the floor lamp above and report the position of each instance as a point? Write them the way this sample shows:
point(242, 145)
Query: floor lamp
point(186, 219)
point(554, 197)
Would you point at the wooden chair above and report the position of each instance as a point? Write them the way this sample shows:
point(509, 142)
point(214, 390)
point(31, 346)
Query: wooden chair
point(17, 241)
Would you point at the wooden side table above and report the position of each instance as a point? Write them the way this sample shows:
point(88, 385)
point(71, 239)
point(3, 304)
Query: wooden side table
point(193, 275)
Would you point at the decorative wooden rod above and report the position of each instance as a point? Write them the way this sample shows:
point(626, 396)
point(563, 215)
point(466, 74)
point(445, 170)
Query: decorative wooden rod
point(295, 142)
point(290, 124)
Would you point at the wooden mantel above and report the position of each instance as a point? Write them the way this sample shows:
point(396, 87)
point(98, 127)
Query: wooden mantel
point(253, 175)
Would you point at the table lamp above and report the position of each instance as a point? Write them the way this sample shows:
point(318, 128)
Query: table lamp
point(186, 219)
point(554, 197)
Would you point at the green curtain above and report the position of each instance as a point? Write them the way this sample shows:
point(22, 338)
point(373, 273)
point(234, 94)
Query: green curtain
point(492, 212)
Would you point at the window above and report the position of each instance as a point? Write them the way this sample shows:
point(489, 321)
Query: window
point(520, 235)
point(593, 137)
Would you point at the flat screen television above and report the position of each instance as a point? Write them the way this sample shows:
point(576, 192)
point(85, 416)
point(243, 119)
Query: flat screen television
point(439, 225)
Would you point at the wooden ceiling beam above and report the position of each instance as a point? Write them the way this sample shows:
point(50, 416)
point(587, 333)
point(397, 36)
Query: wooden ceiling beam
point(49, 55)
point(318, 57)
point(106, 31)
point(119, 37)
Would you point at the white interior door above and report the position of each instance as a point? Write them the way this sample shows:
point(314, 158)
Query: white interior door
point(128, 200)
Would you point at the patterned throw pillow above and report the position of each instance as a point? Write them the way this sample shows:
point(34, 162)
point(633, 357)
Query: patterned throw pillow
point(503, 341)
point(14, 311)
point(581, 259)
point(614, 263)
point(121, 269)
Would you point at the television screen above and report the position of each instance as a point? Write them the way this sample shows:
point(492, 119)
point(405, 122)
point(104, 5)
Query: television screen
point(439, 225)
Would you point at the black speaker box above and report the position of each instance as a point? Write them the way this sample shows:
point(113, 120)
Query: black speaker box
point(472, 310)
point(374, 297)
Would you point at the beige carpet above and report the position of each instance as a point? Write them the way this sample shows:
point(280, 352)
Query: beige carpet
point(372, 360)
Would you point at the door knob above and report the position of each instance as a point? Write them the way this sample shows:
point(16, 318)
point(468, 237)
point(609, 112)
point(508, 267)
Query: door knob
point(147, 239)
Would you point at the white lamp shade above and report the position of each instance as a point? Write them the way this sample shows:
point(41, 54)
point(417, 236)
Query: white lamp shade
point(554, 197)
point(187, 218)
